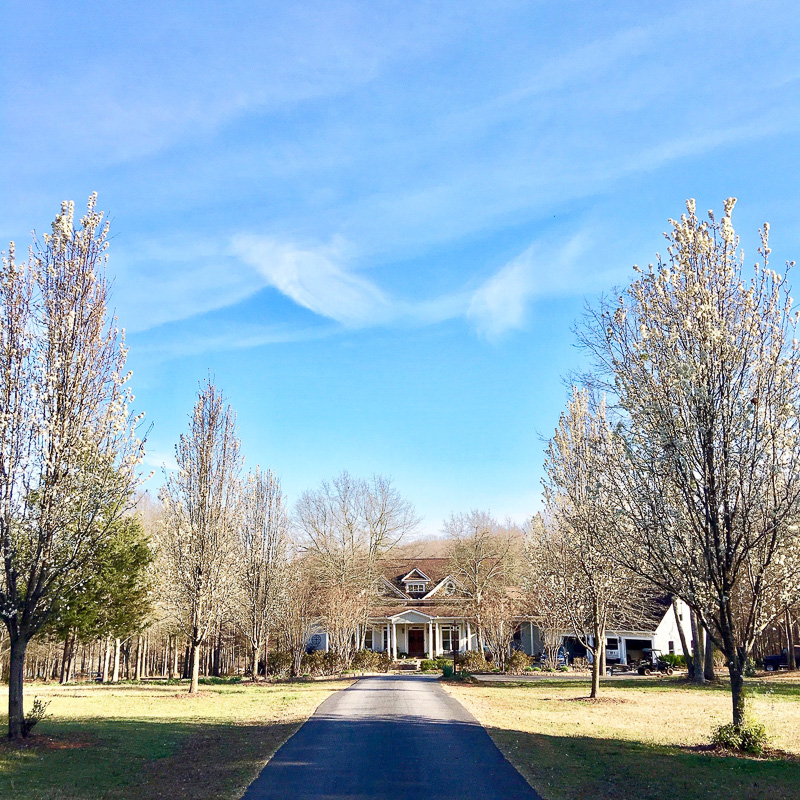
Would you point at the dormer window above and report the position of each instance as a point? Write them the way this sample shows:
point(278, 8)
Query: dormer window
point(415, 587)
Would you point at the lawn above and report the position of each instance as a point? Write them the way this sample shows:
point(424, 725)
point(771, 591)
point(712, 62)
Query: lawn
point(645, 739)
point(147, 741)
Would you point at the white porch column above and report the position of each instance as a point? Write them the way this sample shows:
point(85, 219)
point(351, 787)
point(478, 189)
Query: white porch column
point(394, 641)
point(437, 639)
point(469, 637)
point(388, 638)
point(429, 648)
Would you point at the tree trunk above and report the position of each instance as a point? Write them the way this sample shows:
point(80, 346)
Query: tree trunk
point(697, 651)
point(596, 663)
point(137, 669)
point(16, 714)
point(708, 669)
point(64, 676)
point(195, 669)
point(266, 655)
point(736, 671)
point(175, 661)
point(117, 647)
point(106, 659)
point(256, 653)
point(791, 663)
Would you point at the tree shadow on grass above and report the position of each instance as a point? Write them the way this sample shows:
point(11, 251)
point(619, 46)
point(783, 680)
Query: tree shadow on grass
point(576, 768)
point(138, 760)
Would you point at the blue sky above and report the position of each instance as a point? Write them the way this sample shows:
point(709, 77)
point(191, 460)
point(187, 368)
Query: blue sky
point(376, 223)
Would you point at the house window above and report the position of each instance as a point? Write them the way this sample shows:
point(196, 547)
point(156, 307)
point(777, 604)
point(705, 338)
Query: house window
point(368, 639)
point(449, 638)
point(449, 588)
point(671, 646)
point(416, 587)
point(385, 639)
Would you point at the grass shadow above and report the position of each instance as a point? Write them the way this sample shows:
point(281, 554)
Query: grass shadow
point(576, 767)
point(138, 760)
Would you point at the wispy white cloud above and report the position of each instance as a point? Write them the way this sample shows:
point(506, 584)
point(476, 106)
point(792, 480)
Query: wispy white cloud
point(501, 303)
point(320, 280)
point(314, 279)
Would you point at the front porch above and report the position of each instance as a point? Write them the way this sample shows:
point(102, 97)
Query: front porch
point(419, 635)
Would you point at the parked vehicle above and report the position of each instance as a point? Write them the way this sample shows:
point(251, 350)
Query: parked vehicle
point(653, 662)
point(781, 661)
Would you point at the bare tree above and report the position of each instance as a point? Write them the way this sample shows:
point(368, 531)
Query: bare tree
point(68, 447)
point(262, 551)
point(299, 618)
point(484, 558)
point(346, 528)
point(500, 614)
point(706, 369)
point(202, 506)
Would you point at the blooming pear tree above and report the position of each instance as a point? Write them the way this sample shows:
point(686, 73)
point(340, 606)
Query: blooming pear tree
point(202, 505)
point(68, 444)
point(591, 588)
point(705, 366)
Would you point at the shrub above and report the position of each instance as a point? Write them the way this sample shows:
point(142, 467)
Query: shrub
point(429, 665)
point(749, 668)
point(367, 661)
point(518, 662)
point(213, 680)
point(37, 713)
point(674, 660)
point(385, 661)
point(473, 661)
point(279, 664)
point(447, 671)
point(748, 738)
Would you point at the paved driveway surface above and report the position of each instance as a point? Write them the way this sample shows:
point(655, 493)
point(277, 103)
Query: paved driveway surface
point(390, 737)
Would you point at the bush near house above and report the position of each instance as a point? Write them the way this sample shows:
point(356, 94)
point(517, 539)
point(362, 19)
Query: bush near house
point(473, 661)
point(518, 662)
point(674, 660)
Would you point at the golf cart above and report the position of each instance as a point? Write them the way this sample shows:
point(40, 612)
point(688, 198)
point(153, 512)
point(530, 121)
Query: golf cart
point(653, 662)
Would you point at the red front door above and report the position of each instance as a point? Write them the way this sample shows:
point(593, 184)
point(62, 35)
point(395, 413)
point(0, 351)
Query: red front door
point(416, 643)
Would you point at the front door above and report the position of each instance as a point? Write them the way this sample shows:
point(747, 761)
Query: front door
point(416, 643)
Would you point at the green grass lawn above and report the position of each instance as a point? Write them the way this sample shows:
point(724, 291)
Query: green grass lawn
point(137, 742)
point(645, 739)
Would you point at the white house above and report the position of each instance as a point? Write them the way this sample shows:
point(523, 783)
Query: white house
point(419, 610)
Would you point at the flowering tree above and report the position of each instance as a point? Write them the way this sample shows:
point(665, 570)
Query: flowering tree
point(543, 586)
point(68, 446)
point(594, 589)
point(706, 369)
point(202, 503)
point(261, 554)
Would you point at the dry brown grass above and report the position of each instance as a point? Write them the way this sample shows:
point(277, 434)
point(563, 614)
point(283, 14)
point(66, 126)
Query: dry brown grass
point(644, 738)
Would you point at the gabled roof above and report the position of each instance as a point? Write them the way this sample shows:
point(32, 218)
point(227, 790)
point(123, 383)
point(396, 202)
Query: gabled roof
point(420, 573)
point(390, 588)
point(443, 582)
point(434, 569)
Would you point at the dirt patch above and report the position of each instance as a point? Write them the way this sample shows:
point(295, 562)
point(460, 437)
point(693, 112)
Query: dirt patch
point(35, 742)
point(595, 701)
point(187, 696)
point(769, 754)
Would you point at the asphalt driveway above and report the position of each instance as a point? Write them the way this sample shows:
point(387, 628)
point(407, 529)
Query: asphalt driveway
point(390, 737)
